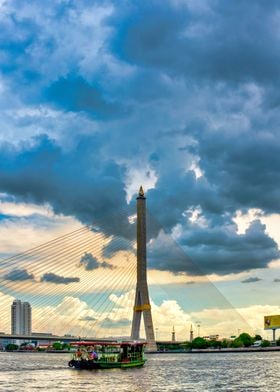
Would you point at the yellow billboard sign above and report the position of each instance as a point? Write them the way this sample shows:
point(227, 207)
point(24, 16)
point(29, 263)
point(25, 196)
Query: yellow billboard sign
point(271, 322)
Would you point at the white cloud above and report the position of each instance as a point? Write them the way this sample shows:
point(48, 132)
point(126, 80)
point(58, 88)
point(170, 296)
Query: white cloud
point(5, 319)
point(227, 322)
point(144, 176)
point(22, 122)
point(197, 170)
point(64, 318)
point(24, 232)
point(196, 216)
point(243, 221)
point(271, 222)
point(75, 316)
point(76, 39)
point(24, 209)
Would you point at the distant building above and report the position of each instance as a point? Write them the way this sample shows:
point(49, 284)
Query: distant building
point(211, 337)
point(21, 318)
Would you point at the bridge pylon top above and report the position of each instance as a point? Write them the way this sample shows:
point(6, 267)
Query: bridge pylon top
point(141, 192)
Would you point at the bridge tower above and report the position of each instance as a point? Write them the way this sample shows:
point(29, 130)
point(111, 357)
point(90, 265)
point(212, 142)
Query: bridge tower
point(142, 302)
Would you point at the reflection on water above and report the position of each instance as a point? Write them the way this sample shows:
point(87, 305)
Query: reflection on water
point(163, 372)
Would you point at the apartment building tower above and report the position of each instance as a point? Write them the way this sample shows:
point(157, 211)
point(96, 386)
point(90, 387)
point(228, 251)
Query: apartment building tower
point(21, 318)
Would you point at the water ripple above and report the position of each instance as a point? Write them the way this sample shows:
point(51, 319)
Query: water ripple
point(248, 372)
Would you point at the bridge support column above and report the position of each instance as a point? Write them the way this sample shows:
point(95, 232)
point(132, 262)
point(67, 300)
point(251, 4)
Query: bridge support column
point(142, 302)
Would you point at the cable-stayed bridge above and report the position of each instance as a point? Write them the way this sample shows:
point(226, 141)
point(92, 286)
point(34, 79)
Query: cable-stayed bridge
point(51, 338)
point(93, 276)
point(73, 266)
point(91, 284)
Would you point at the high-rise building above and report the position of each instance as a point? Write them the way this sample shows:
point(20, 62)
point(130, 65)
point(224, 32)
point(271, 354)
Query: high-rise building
point(16, 317)
point(26, 318)
point(21, 318)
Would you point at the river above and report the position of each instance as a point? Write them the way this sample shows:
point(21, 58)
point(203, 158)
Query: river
point(163, 372)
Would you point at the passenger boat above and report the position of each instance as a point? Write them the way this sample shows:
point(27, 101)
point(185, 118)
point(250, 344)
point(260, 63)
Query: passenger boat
point(107, 355)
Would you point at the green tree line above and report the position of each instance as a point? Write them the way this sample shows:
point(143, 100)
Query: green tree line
point(243, 340)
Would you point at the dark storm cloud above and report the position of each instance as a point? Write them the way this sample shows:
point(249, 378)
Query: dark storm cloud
point(169, 192)
point(244, 168)
point(57, 279)
point(233, 41)
point(171, 82)
point(91, 263)
point(77, 182)
point(18, 275)
point(251, 280)
point(116, 245)
point(214, 250)
point(165, 254)
point(177, 190)
point(78, 95)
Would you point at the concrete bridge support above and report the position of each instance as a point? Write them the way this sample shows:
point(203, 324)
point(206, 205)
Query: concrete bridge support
point(142, 302)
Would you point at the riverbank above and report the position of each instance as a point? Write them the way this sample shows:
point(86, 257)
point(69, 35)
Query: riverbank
point(39, 352)
point(216, 351)
point(193, 351)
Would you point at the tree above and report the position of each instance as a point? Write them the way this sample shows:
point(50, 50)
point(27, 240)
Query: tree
point(265, 343)
point(11, 347)
point(199, 343)
point(186, 345)
point(278, 342)
point(215, 343)
point(236, 343)
point(225, 343)
point(57, 346)
point(246, 339)
point(257, 337)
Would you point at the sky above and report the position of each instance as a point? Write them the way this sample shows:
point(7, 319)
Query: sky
point(100, 97)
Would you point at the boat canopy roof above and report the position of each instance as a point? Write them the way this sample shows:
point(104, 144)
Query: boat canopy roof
point(96, 343)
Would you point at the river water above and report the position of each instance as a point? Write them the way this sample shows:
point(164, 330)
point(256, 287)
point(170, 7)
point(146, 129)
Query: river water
point(162, 372)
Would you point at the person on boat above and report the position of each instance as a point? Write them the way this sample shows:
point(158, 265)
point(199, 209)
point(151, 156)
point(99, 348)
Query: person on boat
point(78, 354)
point(90, 355)
point(84, 354)
point(94, 355)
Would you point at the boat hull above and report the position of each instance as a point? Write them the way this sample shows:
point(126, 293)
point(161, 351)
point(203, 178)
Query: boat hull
point(90, 365)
